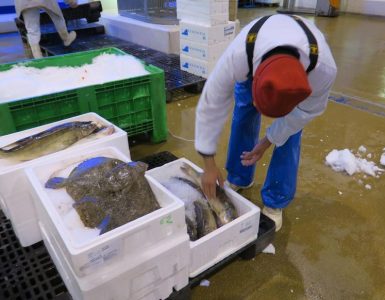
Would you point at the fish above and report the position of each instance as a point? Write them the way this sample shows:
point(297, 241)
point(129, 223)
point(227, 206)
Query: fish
point(191, 229)
point(221, 204)
point(200, 219)
point(108, 192)
point(49, 141)
point(205, 218)
point(188, 192)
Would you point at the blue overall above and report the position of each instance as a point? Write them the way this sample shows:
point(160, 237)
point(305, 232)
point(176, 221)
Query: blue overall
point(280, 184)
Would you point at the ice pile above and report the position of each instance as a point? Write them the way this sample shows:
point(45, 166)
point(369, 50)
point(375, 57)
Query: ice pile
point(25, 82)
point(345, 161)
point(382, 160)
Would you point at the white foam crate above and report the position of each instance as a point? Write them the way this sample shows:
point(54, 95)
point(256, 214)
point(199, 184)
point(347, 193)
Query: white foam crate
point(15, 199)
point(217, 245)
point(207, 34)
point(134, 239)
point(165, 269)
point(202, 19)
point(196, 66)
point(204, 7)
point(203, 51)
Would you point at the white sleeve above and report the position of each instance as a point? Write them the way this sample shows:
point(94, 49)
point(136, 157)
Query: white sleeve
point(282, 128)
point(214, 105)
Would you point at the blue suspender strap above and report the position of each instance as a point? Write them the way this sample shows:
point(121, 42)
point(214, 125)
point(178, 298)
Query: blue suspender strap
point(313, 45)
point(250, 43)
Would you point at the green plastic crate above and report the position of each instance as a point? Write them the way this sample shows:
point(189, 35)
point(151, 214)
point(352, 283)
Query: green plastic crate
point(137, 105)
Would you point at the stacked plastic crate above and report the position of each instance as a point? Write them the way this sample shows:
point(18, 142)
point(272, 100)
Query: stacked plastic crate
point(205, 33)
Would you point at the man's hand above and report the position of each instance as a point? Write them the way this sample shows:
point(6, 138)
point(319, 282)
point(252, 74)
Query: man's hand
point(250, 158)
point(210, 176)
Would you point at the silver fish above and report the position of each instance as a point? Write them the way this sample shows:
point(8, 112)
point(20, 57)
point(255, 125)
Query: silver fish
point(48, 141)
point(205, 218)
point(200, 219)
point(221, 204)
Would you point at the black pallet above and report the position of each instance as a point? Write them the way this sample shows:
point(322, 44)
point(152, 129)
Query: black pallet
point(26, 273)
point(255, 4)
point(29, 273)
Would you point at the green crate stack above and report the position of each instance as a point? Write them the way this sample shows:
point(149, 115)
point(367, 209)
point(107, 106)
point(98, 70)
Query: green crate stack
point(137, 105)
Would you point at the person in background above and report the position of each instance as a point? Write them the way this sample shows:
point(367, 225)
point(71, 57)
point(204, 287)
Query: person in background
point(30, 9)
point(278, 66)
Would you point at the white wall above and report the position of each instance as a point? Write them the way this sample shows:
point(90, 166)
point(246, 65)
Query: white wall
point(306, 3)
point(370, 7)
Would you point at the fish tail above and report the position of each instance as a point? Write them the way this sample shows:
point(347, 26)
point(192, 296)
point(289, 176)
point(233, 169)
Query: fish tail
point(104, 224)
point(55, 183)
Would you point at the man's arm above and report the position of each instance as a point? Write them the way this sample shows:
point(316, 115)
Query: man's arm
point(211, 115)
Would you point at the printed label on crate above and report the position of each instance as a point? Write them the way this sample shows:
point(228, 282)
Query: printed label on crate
point(246, 226)
point(189, 32)
point(195, 51)
point(229, 30)
point(101, 256)
point(196, 67)
point(166, 220)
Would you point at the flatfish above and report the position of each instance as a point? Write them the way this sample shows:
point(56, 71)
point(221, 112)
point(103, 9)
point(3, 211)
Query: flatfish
point(108, 192)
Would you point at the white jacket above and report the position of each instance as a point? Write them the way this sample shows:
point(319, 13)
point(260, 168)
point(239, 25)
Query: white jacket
point(50, 5)
point(232, 67)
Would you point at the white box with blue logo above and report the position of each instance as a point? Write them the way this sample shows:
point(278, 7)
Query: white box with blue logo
point(207, 34)
point(202, 50)
point(196, 66)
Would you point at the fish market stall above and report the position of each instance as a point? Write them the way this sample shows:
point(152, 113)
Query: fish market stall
point(31, 147)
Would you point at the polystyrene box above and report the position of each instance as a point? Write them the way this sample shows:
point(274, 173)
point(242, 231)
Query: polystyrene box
point(203, 19)
point(15, 199)
point(203, 51)
point(203, 6)
point(207, 34)
point(196, 66)
point(135, 239)
point(165, 269)
point(217, 245)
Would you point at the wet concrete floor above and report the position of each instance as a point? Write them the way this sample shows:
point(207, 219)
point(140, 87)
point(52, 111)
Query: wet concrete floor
point(332, 242)
point(333, 237)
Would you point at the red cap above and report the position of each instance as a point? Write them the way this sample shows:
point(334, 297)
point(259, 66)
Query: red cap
point(279, 84)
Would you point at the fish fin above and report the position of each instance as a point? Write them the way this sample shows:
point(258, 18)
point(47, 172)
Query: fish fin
point(55, 183)
point(89, 164)
point(104, 224)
